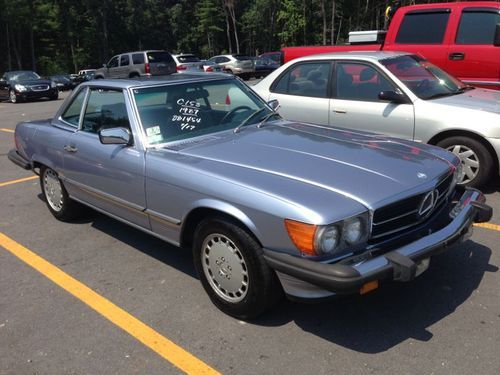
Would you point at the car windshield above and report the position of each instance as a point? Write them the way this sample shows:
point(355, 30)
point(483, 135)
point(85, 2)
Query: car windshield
point(22, 76)
point(424, 79)
point(183, 111)
point(188, 58)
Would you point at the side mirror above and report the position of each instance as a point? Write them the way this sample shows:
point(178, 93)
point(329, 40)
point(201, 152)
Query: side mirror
point(274, 104)
point(496, 41)
point(115, 136)
point(393, 97)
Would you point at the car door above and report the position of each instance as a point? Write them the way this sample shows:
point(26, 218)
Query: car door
point(472, 55)
point(356, 104)
point(123, 70)
point(303, 92)
point(109, 177)
point(113, 67)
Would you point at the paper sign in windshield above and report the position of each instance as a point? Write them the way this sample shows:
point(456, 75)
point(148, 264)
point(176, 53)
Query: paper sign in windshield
point(188, 115)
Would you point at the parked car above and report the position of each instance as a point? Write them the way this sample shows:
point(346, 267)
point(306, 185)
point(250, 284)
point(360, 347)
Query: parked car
point(211, 67)
point(397, 94)
point(138, 64)
point(462, 38)
point(84, 76)
point(264, 66)
point(63, 82)
point(22, 85)
point(267, 206)
point(187, 62)
point(86, 71)
point(236, 64)
point(274, 56)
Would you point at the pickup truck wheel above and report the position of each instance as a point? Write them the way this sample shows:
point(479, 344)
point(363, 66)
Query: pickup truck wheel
point(476, 160)
point(232, 269)
point(59, 203)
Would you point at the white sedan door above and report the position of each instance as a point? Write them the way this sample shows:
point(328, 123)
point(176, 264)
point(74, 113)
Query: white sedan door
point(303, 92)
point(356, 104)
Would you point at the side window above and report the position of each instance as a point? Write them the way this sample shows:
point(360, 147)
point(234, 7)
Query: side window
point(357, 81)
point(223, 59)
point(72, 114)
point(113, 63)
point(423, 27)
point(105, 109)
point(124, 60)
point(138, 58)
point(309, 79)
point(477, 27)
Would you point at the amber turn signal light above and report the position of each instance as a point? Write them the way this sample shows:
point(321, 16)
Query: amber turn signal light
point(302, 235)
point(368, 287)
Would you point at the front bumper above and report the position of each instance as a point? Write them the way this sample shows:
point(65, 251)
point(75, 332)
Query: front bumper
point(399, 264)
point(27, 95)
point(19, 160)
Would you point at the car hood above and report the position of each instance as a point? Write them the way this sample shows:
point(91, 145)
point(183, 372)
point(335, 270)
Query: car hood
point(367, 168)
point(477, 99)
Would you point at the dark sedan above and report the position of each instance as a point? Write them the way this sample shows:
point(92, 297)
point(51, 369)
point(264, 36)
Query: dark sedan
point(22, 85)
point(63, 82)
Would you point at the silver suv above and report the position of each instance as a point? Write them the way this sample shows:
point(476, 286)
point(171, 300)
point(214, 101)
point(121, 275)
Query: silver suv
point(236, 64)
point(138, 64)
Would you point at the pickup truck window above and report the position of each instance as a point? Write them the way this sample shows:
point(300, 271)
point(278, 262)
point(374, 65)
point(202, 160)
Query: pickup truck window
point(72, 113)
point(105, 109)
point(477, 26)
point(424, 27)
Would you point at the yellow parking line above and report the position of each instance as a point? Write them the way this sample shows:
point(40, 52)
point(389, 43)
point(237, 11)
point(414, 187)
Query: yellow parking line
point(133, 326)
point(2, 184)
point(488, 226)
point(7, 130)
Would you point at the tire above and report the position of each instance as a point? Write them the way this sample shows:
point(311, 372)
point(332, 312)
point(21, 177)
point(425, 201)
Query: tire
point(54, 97)
point(12, 97)
point(59, 203)
point(477, 162)
point(244, 286)
point(134, 75)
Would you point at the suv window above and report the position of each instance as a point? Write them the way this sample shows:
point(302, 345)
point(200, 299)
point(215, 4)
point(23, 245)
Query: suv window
point(113, 63)
point(105, 109)
point(124, 60)
point(72, 114)
point(154, 57)
point(138, 58)
point(358, 81)
point(307, 79)
point(423, 27)
point(477, 26)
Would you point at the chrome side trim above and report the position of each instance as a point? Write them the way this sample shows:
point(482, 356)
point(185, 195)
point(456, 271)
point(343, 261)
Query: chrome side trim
point(164, 219)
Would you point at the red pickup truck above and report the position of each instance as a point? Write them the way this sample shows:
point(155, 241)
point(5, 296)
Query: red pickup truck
point(462, 38)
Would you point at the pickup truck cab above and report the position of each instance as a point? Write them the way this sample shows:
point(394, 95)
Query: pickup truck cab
point(462, 38)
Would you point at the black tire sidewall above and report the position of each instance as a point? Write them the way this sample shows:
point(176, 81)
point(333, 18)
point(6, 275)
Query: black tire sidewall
point(263, 286)
point(484, 156)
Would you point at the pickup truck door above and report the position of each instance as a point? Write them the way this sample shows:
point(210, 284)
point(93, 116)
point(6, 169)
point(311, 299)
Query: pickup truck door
point(472, 57)
point(356, 105)
point(303, 92)
point(107, 176)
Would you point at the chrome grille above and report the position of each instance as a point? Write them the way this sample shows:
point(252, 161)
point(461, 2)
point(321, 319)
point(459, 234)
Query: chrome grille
point(40, 88)
point(404, 214)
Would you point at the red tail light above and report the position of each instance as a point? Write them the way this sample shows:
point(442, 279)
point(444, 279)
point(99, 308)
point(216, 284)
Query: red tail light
point(146, 68)
point(181, 67)
point(210, 69)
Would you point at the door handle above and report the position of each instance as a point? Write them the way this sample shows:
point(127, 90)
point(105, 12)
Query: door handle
point(455, 56)
point(70, 148)
point(339, 111)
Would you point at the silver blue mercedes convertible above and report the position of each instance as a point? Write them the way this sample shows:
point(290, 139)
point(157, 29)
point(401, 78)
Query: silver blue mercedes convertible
point(269, 207)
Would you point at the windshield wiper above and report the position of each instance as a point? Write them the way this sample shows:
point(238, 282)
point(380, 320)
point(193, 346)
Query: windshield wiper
point(267, 117)
point(464, 89)
point(245, 121)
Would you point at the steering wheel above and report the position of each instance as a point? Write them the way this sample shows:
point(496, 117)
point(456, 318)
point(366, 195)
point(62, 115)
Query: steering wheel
point(233, 111)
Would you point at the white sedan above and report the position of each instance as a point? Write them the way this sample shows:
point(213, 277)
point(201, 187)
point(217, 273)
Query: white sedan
point(397, 94)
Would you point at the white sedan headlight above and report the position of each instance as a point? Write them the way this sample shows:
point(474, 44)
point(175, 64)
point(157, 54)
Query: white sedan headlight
point(20, 88)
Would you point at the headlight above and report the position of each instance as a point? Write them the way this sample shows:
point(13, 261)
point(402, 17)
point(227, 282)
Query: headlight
point(327, 239)
point(19, 87)
point(53, 84)
point(314, 240)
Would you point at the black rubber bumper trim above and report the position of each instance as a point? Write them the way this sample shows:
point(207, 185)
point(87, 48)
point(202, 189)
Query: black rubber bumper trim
point(17, 159)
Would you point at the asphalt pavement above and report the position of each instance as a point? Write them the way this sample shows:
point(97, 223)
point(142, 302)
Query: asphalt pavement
point(447, 321)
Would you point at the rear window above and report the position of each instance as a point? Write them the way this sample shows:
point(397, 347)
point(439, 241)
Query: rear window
point(477, 27)
point(423, 28)
point(241, 57)
point(154, 57)
point(188, 59)
point(138, 58)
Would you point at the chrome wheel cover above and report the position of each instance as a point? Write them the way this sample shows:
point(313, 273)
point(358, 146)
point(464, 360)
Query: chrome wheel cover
point(470, 162)
point(224, 268)
point(53, 190)
point(12, 96)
